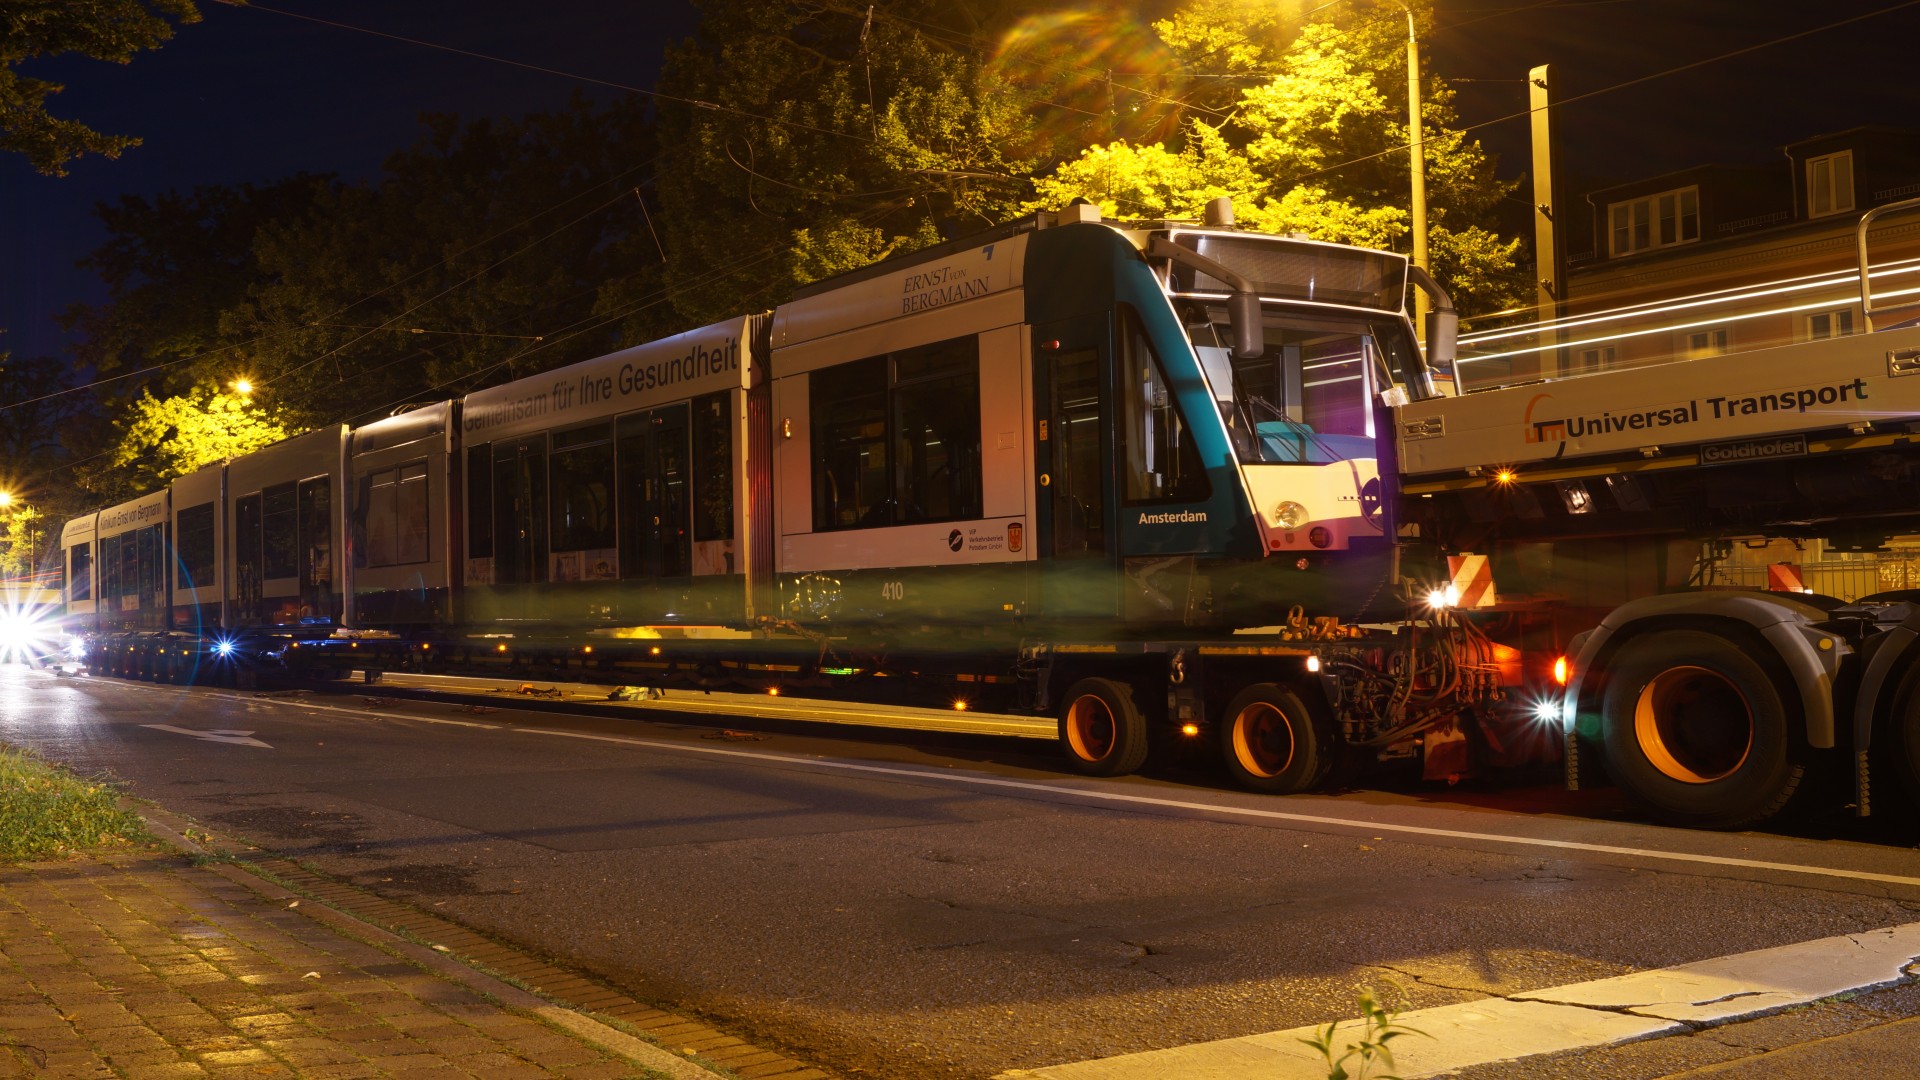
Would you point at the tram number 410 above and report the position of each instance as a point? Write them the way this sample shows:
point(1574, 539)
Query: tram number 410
point(893, 590)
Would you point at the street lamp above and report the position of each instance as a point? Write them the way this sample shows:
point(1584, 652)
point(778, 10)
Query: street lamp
point(1418, 165)
point(243, 386)
point(6, 499)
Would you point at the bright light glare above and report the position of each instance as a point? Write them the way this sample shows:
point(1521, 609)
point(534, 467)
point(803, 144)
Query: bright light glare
point(223, 647)
point(1547, 712)
point(26, 631)
point(1441, 599)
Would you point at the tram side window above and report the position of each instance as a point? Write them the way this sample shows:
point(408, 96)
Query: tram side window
point(193, 543)
point(897, 438)
point(1162, 463)
point(849, 405)
point(110, 573)
point(79, 573)
point(127, 581)
point(246, 553)
point(279, 519)
point(480, 501)
point(582, 500)
point(712, 468)
point(149, 543)
point(520, 510)
point(314, 534)
point(394, 512)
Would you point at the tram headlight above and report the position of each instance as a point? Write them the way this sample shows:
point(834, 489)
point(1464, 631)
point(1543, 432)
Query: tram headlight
point(1290, 515)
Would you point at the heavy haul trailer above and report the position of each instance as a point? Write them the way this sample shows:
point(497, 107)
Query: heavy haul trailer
point(1596, 499)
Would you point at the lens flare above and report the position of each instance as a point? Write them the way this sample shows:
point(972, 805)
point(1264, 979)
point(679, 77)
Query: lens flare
point(29, 630)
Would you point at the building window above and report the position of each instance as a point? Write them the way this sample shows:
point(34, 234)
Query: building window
point(1830, 184)
point(1657, 221)
point(1829, 324)
point(1594, 360)
point(1699, 344)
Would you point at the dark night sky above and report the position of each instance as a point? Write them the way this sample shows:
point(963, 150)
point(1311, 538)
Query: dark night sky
point(249, 95)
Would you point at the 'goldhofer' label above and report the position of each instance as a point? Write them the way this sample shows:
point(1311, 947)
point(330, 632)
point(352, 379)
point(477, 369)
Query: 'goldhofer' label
point(1732, 453)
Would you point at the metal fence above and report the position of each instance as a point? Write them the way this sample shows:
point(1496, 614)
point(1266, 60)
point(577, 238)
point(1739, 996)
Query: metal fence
point(1848, 579)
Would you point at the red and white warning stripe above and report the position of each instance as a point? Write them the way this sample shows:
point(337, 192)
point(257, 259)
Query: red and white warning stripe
point(1785, 577)
point(1472, 581)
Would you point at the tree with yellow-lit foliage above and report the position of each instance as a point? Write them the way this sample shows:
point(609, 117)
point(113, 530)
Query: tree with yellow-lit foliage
point(1303, 122)
point(162, 439)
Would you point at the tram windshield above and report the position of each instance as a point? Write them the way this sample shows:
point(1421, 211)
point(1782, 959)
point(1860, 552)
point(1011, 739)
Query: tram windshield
point(1308, 397)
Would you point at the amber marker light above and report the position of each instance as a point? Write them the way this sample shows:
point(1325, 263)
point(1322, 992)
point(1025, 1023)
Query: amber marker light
point(773, 691)
point(1189, 730)
point(1504, 477)
point(502, 647)
point(959, 704)
point(1561, 669)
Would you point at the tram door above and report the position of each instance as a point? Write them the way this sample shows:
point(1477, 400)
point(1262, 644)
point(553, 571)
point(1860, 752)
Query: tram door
point(655, 512)
point(1072, 449)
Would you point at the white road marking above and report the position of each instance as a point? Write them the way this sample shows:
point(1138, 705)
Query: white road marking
point(238, 738)
point(1603, 1012)
point(1371, 827)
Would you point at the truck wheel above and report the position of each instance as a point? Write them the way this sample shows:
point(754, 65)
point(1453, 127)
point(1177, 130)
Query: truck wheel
point(1698, 731)
point(1896, 749)
point(1102, 729)
point(1273, 743)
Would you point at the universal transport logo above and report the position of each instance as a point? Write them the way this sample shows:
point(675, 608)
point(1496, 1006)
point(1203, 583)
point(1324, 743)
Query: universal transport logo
point(1546, 423)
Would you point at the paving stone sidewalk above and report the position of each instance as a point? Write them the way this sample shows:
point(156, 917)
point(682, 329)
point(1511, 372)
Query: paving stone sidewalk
point(149, 966)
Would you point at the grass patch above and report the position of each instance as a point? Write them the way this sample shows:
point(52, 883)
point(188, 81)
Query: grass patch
point(47, 812)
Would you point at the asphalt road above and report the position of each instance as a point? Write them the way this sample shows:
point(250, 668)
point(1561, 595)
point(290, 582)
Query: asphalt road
point(891, 910)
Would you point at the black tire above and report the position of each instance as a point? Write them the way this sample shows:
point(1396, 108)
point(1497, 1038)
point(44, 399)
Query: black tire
point(1274, 743)
point(1896, 754)
point(1101, 729)
point(1698, 732)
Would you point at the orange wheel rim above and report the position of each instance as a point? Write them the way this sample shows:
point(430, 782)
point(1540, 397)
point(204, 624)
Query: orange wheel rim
point(1090, 728)
point(1263, 740)
point(1694, 725)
